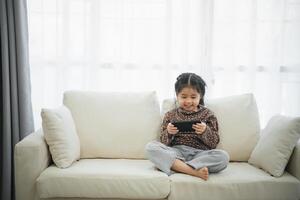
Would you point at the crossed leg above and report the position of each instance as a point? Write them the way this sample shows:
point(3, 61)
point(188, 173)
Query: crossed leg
point(166, 159)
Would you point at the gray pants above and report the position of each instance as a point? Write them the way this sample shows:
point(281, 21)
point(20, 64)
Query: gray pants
point(164, 156)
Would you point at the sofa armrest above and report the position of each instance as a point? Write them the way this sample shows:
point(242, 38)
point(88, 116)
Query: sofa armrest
point(31, 157)
point(293, 166)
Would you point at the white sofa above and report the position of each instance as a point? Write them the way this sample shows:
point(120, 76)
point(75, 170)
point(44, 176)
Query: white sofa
point(113, 130)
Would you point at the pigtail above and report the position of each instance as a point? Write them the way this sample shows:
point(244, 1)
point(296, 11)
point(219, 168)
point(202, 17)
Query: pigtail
point(201, 101)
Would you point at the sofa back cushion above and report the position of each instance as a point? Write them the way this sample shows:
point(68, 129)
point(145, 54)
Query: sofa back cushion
point(114, 125)
point(238, 123)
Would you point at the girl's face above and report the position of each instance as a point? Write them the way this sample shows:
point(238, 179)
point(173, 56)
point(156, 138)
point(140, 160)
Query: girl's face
point(188, 99)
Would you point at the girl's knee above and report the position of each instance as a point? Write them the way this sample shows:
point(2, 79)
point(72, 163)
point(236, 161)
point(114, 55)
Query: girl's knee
point(225, 159)
point(153, 147)
point(223, 156)
point(222, 161)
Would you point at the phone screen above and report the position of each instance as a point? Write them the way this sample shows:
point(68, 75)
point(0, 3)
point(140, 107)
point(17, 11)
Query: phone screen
point(185, 126)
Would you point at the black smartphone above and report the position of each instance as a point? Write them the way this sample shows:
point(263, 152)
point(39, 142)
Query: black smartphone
point(185, 126)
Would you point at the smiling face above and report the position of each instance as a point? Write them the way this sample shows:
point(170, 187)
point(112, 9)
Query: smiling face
point(188, 99)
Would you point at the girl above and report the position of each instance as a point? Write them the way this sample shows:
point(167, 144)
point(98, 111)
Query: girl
point(194, 152)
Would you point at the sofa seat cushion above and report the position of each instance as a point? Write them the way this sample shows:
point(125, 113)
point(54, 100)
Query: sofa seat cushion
point(104, 178)
point(238, 181)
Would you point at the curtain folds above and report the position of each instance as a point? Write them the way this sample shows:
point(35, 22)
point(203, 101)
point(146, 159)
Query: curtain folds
point(246, 46)
point(115, 45)
point(16, 109)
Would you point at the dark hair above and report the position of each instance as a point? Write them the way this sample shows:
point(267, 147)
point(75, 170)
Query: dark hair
point(191, 80)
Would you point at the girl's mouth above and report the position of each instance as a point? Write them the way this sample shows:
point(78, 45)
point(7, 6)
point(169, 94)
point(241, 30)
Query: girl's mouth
point(189, 108)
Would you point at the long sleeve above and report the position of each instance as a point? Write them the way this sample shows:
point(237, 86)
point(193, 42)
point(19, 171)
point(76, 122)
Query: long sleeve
point(210, 137)
point(165, 137)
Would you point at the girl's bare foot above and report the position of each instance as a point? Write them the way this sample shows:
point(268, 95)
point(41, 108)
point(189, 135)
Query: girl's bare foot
point(182, 167)
point(202, 173)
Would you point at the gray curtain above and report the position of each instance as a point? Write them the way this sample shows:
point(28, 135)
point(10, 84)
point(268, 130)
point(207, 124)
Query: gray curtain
point(16, 120)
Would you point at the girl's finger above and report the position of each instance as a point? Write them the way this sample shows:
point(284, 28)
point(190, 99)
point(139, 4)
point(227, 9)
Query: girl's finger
point(195, 126)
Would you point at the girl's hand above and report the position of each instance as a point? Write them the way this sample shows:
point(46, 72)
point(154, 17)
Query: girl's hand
point(199, 128)
point(172, 129)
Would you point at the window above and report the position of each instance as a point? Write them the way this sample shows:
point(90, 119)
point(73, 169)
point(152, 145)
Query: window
point(237, 46)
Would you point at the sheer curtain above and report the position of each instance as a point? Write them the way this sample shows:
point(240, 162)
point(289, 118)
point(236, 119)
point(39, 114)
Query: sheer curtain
point(256, 48)
point(238, 46)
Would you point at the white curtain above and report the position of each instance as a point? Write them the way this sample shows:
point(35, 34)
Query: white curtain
point(256, 48)
point(237, 46)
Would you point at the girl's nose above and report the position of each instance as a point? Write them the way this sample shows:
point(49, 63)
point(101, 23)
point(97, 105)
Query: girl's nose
point(188, 101)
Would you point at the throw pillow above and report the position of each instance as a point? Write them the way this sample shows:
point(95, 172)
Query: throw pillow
point(276, 144)
point(61, 136)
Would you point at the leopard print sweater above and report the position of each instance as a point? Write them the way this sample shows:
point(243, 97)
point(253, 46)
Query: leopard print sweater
point(208, 140)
